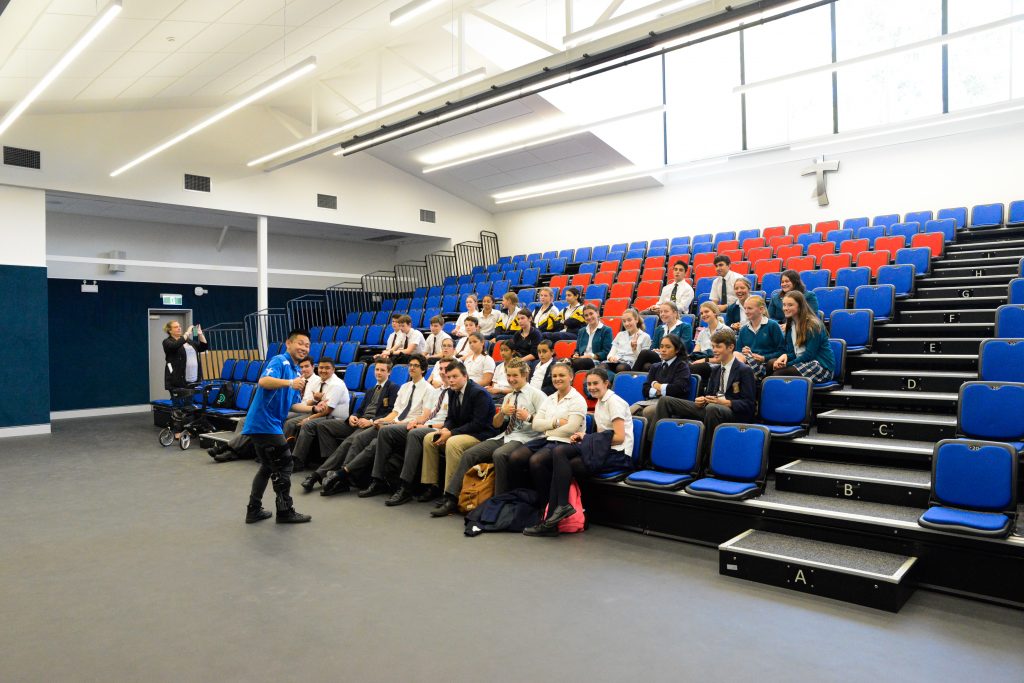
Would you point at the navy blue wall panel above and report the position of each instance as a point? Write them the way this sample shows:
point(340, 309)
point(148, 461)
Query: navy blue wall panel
point(23, 358)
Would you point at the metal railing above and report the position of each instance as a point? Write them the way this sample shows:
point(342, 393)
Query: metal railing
point(409, 276)
point(489, 242)
point(348, 296)
point(224, 341)
point(440, 264)
point(306, 311)
point(265, 327)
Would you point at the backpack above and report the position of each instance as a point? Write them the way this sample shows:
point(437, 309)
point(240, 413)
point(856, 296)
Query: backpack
point(577, 521)
point(226, 395)
point(477, 487)
point(511, 511)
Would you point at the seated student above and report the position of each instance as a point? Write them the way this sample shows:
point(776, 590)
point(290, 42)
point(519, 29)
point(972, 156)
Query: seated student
point(507, 324)
point(462, 345)
point(432, 344)
point(791, 281)
point(593, 342)
point(470, 412)
point(736, 314)
point(722, 289)
point(670, 324)
point(547, 318)
point(678, 291)
point(447, 353)
point(808, 352)
point(479, 365)
point(408, 342)
point(488, 317)
point(300, 412)
point(332, 401)
point(730, 394)
point(395, 341)
point(610, 446)
point(669, 377)
point(628, 343)
point(524, 342)
point(499, 380)
point(760, 340)
point(703, 350)
point(513, 420)
point(572, 318)
point(400, 445)
point(471, 310)
point(540, 377)
point(560, 415)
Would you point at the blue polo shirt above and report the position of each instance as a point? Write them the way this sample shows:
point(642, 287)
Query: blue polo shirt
point(270, 407)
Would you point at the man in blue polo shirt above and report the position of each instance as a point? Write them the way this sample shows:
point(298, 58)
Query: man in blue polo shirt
point(278, 389)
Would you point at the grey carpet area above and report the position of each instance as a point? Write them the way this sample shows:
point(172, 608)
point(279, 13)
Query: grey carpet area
point(123, 561)
point(825, 553)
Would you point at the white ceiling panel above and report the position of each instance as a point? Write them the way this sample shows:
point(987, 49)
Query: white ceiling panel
point(178, 64)
point(122, 35)
point(203, 10)
point(512, 162)
point(147, 86)
point(149, 9)
point(90, 65)
point(134, 64)
point(303, 36)
point(300, 12)
point(84, 7)
point(254, 40)
point(105, 88)
point(29, 64)
point(252, 12)
point(561, 149)
point(158, 40)
point(69, 87)
point(12, 89)
point(54, 29)
point(215, 37)
point(492, 182)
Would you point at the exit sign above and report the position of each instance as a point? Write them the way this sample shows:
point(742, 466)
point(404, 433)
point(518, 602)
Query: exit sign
point(171, 299)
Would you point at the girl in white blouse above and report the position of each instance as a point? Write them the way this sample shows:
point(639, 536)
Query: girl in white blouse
point(628, 343)
point(460, 323)
point(488, 317)
point(479, 366)
point(703, 350)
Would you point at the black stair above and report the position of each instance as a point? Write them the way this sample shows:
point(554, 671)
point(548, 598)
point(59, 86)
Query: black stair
point(862, 449)
point(890, 400)
point(887, 485)
point(863, 577)
point(910, 380)
point(949, 269)
point(936, 330)
point(966, 290)
point(978, 252)
point(926, 345)
point(887, 424)
point(990, 302)
point(946, 316)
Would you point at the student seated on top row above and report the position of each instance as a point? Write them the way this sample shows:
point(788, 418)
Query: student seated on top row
point(404, 341)
point(486, 318)
point(678, 291)
point(571, 317)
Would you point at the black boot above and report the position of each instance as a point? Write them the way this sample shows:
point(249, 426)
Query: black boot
point(376, 488)
point(400, 497)
point(429, 494)
point(216, 449)
point(447, 506)
point(226, 455)
point(335, 484)
point(254, 512)
point(311, 481)
point(290, 516)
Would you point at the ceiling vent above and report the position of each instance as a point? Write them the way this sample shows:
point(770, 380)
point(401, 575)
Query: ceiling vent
point(25, 158)
point(326, 201)
point(384, 238)
point(197, 183)
point(428, 216)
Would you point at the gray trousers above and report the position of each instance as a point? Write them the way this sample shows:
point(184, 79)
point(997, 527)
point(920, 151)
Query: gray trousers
point(331, 434)
point(354, 453)
point(308, 435)
point(492, 450)
point(399, 448)
point(711, 415)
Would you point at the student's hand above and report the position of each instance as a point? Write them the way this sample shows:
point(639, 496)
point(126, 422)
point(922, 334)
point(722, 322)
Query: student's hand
point(442, 437)
point(353, 421)
point(699, 360)
point(412, 425)
point(746, 351)
point(320, 407)
point(363, 423)
point(299, 383)
point(507, 408)
point(735, 326)
point(523, 414)
point(577, 437)
point(758, 357)
point(701, 400)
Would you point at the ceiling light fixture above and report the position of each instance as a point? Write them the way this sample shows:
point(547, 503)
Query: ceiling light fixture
point(626, 21)
point(275, 83)
point(398, 105)
point(96, 27)
point(412, 10)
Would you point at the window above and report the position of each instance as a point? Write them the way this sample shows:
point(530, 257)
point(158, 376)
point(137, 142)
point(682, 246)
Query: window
point(988, 67)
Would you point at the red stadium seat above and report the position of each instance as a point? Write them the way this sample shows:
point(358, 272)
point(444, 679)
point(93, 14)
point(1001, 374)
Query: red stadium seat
point(605, 278)
point(799, 263)
point(608, 266)
point(759, 254)
point(632, 264)
point(706, 270)
point(613, 308)
point(799, 229)
point(654, 262)
point(642, 303)
point(819, 249)
point(563, 349)
point(752, 243)
point(621, 290)
point(559, 281)
point(596, 303)
point(630, 276)
point(933, 240)
point(853, 247)
point(833, 262)
point(733, 254)
point(780, 240)
point(761, 268)
point(613, 320)
point(769, 233)
point(581, 279)
point(728, 245)
point(672, 260)
point(789, 251)
point(825, 227)
point(703, 258)
point(650, 288)
point(741, 267)
point(496, 352)
point(653, 274)
point(890, 244)
point(579, 383)
point(873, 260)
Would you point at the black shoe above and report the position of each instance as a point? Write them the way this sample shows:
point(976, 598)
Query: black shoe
point(400, 497)
point(290, 516)
point(376, 488)
point(216, 449)
point(431, 493)
point(336, 484)
point(226, 456)
point(541, 529)
point(256, 514)
point(558, 514)
point(309, 482)
point(448, 506)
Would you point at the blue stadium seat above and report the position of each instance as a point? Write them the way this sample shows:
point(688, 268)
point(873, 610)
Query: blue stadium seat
point(651, 323)
point(702, 238)
point(744, 235)
point(675, 456)
point(879, 298)
point(679, 242)
point(615, 256)
point(316, 350)
point(420, 292)
point(366, 317)
point(588, 267)
point(641, 244)
point(327, 334)
point(403, 304)
point(227, 369)
point(831, 299)
point(416, 316)
point(352, 318)
point(679, 250)
point(435, 291)
point(331, 351)
point(785, 406)
point(885, 220)
point(500, 289)
point(973, 488)
point(920, 217)
point(839, 236)
point(536, 256)
point(347, 353)
point(358, 334)
point(567, 254)
point(252, 372)
point(451, 303)
point(342, 334)
point(466, 290)
point(839, 372)
point(483, 290)
point(382, 318)
point(658, 244)
point(1001, 360)
point(657, 251)
point(621, 246)
point(430, 313)
point(450, 290)
point(807, 239)
point(582, 254)
point(987, 215)
point(596, 292)
point(467, 279)
point(527, 296)
point(375, 335)
point(369, 379)
point(449, 327)
point(901, 277)
point(907, 230)
point(400, 374)
point(703, 288)
point(600, 253)
point(243, 397)
point(992, 410)
point(1016, 294)
point(813, 279)
point(547, 255)
point(636, 253)
point(702, 247)
point(530, 277)
point(1010, 321)
point(556, 266)
point(478, 276)
point(770, 282)
point(855, 327)
point(958, 214)
point(1016, 213)
point(919, 257)
point(854, 223)
point(629, 386)
point(852, 278)
point(275, 349)
point(871, 233)
point(354, 375)
point(639, 436)
point(738, 465)
point(314, 333)
point(695, 382)
point(504, 259)
point(724, 236)
point(239, 372)
point(389, 304)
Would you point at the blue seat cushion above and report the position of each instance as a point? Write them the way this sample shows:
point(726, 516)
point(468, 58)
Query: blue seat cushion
point(226, 412)
point(826, 386)
point(786, 430)
point(720, 488)
point(856, 349)
point(611, 475)
point(652, 479)
point(965, 521)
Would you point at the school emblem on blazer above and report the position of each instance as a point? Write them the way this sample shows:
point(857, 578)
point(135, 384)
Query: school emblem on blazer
point(385, 402)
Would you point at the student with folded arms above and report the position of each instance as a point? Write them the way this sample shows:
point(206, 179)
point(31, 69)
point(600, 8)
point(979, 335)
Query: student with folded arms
point(760, 340)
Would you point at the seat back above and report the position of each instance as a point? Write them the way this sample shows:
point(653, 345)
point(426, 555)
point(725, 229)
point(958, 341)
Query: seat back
point(316, 351)
point(837, 237)
point(831, 299)
point(347, 354)
point(852, 278)
point(600, 253)
point(919, 257)
point(886, 220)
point(789, 251)
point(991, 410)
point(1001, 360)
point(958, 214)
point(629, 386)
point(227, 369)
point(904, 230)
point(1016, 291)
point(354, 376)
point(739, 452)
point(786, 400)
point(239, 372)
point(243, 396)
point(838, 347)
point(854, 223)
point(375, 335)
point(807, 239)
point(596, 292)
point(676, 445)
point(873, 260)
point(901, 277)
point(275, 349)
point(582, 254)
point(881, 299)
point(1009, 321)
point(820, 249)
point(770, 282)
point(891, 243)
point(564, 348)
point(366, 317)
point(579, 383)
point(947, 226)
point(331, 351)
point(774, 231)
point(974, 475)
point(920, 217)
point(814, 279)
point(615, 307)
point(987, 215)
point(799, 229)
point(933, 240)
point(252, 373)
point(400, 374)
point(799, 263)
point(833, 262)
point(853, 325)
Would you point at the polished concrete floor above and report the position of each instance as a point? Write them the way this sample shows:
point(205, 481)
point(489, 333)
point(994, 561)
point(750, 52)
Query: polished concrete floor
point(124, 561)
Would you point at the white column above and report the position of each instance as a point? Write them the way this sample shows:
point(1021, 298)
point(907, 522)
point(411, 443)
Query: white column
point(261, 263)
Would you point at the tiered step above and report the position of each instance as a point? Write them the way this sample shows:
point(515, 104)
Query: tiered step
point(932, 401)
point(865, 449)
point(994, 253)
point(946, 315)
point(937, 330)
point(887, 424)
point(892, 361)
point(925, 345)
point(211, 439)
point(863, 577)
point(887, 485)
point(956, 299)
point(955, 269)
point(910, 380)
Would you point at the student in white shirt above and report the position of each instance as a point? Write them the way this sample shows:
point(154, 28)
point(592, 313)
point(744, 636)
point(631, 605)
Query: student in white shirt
point(507, 324)
point(479, 366)
point(329, 399)
point(628, 343)
point(678, 291)
point(447, 353)
point(432, 344)
point(584, 455)
point(395, 342)
point(488, 317)
point(462, 344)
point(410, 340)
point(726, 278)
point(460, 324)
point(540, 377)
point(704, 350)
point(547, 318)
point(499, 381)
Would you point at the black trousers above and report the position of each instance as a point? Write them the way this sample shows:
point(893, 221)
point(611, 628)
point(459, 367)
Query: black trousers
point(275, 461)
point(645, 359)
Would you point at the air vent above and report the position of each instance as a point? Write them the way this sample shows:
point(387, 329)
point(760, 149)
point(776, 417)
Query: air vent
point(25, 158)
point(428, 216)
point(326, 201)
point(384, 238)
point(197, 183)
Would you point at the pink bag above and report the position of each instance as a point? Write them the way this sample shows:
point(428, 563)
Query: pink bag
point(577, 521)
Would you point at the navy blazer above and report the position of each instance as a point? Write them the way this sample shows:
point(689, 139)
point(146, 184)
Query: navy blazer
point(386, 403)
point(474, 415)
point(602, 342)
point(741, 377)
point(676, 376)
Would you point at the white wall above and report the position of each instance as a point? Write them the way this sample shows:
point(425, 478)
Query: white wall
point(973, 167)
point(22, 226)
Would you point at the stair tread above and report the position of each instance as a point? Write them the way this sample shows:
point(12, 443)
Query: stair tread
point(916, 373)
point(895, 475)
point(889, 416)
point(866, 443)
point(892, 393)
point(882, 511)
point(930, 325)
point(955, 298)
point(927, 339)
point(960, 356)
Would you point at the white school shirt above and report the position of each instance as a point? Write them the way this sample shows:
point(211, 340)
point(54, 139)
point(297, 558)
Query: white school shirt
point(726, 369)
point(622, 347)
point(312, 386)
point(460, 322)
point(684, 295)
point(537, 378)
point(336, 394)
point(477, 367)
point(590, 338)
point(703, 341)
point(554, 409)
point(487, 322)
point(531, 398)
point(432, 344)
point(612, 407)
point(500, 379)
point(418, 398)
point(416, 337)
point(462, 348)
point(438, 418)
point(716, 288)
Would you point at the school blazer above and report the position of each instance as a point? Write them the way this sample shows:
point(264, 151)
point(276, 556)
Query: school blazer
point(676, 376)
point(386, 403)
point(602, 341)
point(474, 415)
point(741, 390)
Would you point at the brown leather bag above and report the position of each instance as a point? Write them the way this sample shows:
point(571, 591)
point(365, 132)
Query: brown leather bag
point(477, 486)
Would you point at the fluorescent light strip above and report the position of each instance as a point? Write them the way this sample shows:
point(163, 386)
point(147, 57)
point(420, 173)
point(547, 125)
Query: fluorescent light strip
point(413, 9)
point(276, 83)
point(101, 21)
point(899, 49)
point(396, 106)
point(540, 140)
point(626, 21)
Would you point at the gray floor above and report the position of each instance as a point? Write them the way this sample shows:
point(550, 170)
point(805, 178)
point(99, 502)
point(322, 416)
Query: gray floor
point(125, 561)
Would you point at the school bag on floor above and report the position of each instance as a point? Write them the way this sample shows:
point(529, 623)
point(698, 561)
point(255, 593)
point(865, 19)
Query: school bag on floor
point(510, 511)
point(477, 487)
point(577, 521)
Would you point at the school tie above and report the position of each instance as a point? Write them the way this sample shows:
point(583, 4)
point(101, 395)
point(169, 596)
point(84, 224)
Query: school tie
point(454, 403)
point(722, 382)
point(513, 423)
point(675, 289)
point(437, 406)
point(408, 405)
point(725, 297)
point(433, 345)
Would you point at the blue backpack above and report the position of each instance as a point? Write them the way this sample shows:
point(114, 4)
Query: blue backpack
point(511, 511)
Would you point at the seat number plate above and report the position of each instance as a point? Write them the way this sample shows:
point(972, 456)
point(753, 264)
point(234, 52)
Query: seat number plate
point(885, 430)
point(933, 347)
point(848, 489)
point(913, 384)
